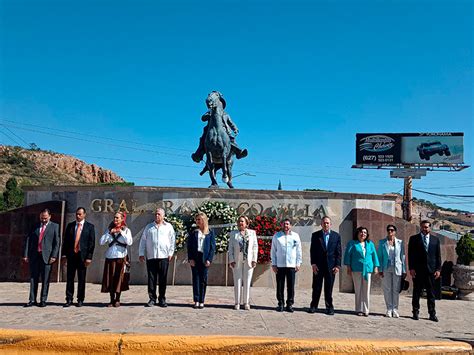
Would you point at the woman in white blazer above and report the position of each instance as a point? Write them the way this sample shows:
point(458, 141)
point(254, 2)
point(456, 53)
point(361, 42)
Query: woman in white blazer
point(243, 252)
point(391, 253)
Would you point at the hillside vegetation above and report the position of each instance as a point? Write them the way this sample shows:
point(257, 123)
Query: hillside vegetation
point(39, 167)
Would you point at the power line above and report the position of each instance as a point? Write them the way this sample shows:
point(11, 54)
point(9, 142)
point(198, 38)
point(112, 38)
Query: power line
point(259, 165)
point(443, 195)
point(93, 141)
point(9, 130)
point(237, 171)
point(448, 187)
point(93, 136)
point(12, 139)
point(380, 181)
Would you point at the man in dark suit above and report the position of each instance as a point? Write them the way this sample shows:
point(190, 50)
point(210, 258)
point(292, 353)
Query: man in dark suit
point(325, 252)
point(424, 262)
point(77, 251)
point(40, 251)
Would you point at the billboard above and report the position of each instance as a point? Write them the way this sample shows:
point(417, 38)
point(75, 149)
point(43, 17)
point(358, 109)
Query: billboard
point(409, 148)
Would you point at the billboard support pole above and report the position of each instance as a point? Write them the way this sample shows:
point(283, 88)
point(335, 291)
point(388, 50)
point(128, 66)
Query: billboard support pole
point(407, 199)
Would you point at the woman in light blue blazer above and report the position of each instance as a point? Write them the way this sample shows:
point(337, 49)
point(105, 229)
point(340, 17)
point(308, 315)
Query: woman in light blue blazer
point(361, 260)
point(391, 253)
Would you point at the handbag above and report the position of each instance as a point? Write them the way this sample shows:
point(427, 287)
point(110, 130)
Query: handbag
point(404, 284)
point(126, 275)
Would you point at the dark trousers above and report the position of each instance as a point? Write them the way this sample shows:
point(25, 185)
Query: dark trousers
point(157, 268)
point(39, 269)
point(288, 274)
point(423, 280)
point(328, 278)
point(200, 272)
point(75, 265)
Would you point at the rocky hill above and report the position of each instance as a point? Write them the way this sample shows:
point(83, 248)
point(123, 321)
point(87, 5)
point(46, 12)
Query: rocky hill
point(35, 167)
point(454, 221)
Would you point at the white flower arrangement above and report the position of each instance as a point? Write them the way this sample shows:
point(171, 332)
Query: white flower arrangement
point(179, 229)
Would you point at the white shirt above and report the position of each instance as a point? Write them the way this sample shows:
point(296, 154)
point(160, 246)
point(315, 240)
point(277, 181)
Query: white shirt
point(425, 238)
point(201, 237)
point(391, 254)
point(286, 250)
point(157, 241)
point(117, 251)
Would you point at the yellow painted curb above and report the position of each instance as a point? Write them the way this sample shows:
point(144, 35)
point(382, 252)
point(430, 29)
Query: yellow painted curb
point(31, 341)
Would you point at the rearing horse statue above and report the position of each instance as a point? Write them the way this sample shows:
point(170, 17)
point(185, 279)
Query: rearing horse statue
point(217, 142)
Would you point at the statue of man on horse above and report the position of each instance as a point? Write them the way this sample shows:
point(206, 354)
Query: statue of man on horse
point(218, 141)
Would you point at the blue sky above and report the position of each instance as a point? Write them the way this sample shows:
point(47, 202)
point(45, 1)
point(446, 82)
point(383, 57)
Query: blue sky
point(122, 84)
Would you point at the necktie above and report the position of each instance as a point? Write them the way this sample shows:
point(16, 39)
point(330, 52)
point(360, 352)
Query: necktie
point(326, 240)
point(425, 242)
point(40, 246)
point(78, 238)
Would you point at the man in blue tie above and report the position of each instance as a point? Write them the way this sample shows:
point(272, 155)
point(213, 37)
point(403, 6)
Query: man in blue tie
point(424, 262)
point(325, 252)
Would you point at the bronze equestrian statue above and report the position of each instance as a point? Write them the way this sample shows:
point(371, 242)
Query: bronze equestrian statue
point(217, 141)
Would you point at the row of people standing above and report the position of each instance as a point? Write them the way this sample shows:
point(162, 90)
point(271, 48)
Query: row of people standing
point(362, 260)
point(157, 247)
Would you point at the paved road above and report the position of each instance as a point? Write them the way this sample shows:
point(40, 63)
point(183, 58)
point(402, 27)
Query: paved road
point(219, 317)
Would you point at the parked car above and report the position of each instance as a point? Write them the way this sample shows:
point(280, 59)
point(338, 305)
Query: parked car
point(426, 150)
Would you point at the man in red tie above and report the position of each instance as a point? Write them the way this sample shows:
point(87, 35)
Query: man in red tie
point(40, 251)
point(76, 254)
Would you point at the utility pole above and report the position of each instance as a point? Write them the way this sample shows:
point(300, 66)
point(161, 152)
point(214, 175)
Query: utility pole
point(407, 199)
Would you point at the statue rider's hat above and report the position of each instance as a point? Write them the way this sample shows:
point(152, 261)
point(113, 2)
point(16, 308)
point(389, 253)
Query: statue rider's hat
point(221, 98)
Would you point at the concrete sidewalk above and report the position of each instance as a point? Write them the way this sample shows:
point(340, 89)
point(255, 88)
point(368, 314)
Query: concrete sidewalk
point(219, 318)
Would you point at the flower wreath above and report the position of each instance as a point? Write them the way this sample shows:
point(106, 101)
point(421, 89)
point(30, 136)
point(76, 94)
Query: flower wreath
point(181, 233)
point(265, 227)
point(220, 213)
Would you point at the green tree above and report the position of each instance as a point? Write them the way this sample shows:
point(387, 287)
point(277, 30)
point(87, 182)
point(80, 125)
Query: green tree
point(13, 195)
point(465, 249)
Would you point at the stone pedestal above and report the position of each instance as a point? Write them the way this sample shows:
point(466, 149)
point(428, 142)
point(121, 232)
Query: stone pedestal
point(464, 281)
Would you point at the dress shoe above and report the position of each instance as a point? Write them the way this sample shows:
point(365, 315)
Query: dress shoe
point(196, 158)
point(150, 303)
point(312, 310)
point(279, 308)
point(30, 304)
point(67, 304)
point(117, 304)
point(80, 303)
point(290, 309)
point(163, 304)
point(241, 154)
point(433, 318)
point(415, 316)
point(42, 304)
point(330, 312)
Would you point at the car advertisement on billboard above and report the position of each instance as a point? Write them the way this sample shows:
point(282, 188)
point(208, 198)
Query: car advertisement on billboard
point(409, 148)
